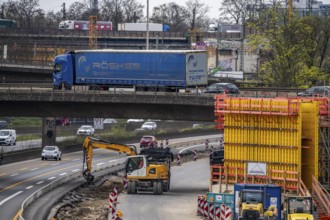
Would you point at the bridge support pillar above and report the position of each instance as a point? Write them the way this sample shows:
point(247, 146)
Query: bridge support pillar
point(48, 131)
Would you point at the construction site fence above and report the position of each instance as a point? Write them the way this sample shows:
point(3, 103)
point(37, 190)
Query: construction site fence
point(215, 206)
point(231, 175)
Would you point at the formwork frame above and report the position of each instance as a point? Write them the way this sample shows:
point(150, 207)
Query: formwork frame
point(324, 142)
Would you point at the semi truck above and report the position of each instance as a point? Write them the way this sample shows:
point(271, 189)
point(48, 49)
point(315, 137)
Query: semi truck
point(257, 202)
point(145, 70)
point(143, 27)
point(150, 170)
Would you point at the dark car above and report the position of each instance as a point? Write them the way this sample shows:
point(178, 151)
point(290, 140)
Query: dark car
point(316, 91)
point(217, 157)
point(148, 141)
point(222, 88)
point(3, 124)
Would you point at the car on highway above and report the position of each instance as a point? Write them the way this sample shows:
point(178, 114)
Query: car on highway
point(135, 121)
point(217, 157)
point(316, 91)
point(148, 141)
point(51, 152)
point(7, 137)
point(86, 130)
point(3, 124)
point(222, 88)
point(149, 126)
point(109, 121)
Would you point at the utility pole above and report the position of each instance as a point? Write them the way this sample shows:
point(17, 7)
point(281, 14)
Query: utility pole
point(63, 11)
point(147, 40)
point(92, 32)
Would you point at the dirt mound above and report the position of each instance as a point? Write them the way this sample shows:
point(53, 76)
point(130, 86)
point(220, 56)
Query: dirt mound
point(89, 201)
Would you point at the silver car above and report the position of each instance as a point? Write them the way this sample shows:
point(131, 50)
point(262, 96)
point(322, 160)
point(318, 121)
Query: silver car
point(85, 130)
point(51, 152)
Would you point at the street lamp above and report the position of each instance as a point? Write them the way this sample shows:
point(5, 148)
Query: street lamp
point(147, 43)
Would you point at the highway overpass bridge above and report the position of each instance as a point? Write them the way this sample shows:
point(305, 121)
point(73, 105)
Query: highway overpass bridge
point(43, 101)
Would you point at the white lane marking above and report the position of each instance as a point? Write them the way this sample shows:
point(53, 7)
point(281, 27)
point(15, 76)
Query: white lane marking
point(99, 164)
point(35, 169)
point(75, 170)
point(15, 174)
point(29, 187)
point(53, 177)
point(10, 197)
point(55, 164)
point(39, 182)
point(75, 160)
point(63, 174)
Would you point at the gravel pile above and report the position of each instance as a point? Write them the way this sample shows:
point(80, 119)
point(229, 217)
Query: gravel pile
point(89, 201)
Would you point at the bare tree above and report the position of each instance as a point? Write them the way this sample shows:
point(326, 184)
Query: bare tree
point(112, 10)
point(133, 11)
point(53, 19)
point(171, 14)
point(77, 11)
point(24, 12)
point(197, 11)
point(232, 11)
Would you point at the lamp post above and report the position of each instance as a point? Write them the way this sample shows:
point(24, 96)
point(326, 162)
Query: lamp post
point(147, 43)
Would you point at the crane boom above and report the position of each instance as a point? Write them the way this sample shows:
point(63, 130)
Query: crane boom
point(90, 143)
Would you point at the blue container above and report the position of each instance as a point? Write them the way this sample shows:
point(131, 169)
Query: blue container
point(272, 196)
point(217, 199)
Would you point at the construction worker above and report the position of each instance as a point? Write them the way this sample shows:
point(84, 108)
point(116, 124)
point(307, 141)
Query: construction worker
point(167, 142)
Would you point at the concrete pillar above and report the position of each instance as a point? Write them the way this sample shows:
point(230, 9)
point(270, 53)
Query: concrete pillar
point(48, 131)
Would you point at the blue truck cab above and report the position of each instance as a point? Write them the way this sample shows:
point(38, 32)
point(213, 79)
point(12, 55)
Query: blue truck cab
point(63, 71)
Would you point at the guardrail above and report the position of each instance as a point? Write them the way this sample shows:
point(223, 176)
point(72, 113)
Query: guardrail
point(114, 163)
point(56, 183)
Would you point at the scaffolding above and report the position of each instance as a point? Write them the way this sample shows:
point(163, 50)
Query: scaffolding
point(288, 135)
point(92, 32)
point(324, 143)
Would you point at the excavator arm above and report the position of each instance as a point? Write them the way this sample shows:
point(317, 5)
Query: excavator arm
point(91, 143)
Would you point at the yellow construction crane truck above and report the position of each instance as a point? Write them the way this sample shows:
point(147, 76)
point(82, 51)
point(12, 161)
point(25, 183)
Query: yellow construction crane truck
point(298, 207)
point(149, 170)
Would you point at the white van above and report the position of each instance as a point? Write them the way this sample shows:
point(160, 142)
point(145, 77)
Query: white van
point(7, 137)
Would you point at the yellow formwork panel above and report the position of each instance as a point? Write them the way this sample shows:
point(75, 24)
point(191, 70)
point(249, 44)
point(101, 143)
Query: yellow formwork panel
point(310, 134)
point(262, 105)
point(236, 171)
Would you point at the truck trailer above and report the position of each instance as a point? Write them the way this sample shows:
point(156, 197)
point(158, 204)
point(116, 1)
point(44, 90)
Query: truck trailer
point(143, 27)
point(143, 70)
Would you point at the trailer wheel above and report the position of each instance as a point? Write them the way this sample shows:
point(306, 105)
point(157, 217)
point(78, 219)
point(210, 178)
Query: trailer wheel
point(129, 187)
point(133, 188)
point(166, 187)
point(159, 188)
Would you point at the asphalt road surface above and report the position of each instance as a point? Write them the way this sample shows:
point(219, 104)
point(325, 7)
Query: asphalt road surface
point(19, 180)
point(187, 182)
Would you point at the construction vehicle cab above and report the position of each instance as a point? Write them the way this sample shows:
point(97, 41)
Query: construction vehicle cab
point(298, 207)
point(257, 202)
point(251, 206)
point(150, 170)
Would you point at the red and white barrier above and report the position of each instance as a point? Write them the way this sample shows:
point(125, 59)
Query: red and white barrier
point(194, 155)
point(124, 182)
point(225, 212)
point(178, 160)
point(217, 213)
point(211, 211)
point(112, 204)
point(199, 204)
point(206, 208)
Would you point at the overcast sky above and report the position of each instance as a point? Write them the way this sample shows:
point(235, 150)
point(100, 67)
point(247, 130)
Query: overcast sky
point(49, 5)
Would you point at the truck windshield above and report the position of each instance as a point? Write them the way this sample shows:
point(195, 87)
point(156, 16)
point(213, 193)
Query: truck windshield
point(255, 197)
point(300, 206)
point(57, 68)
